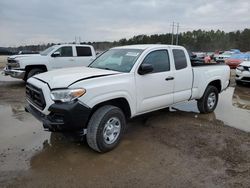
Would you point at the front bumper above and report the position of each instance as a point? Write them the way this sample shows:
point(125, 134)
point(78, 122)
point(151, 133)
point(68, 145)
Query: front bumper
point(63, 116)
point(243, 76)
point(15, 73)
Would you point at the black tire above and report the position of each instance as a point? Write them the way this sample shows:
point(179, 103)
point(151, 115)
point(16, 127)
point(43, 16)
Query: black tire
point(98, 124)
point(202, 103)
point(33, 72)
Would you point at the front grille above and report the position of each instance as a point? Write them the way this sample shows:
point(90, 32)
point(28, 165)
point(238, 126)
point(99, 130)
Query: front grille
point(35, 96)
point(246, 78)
point(11, 61)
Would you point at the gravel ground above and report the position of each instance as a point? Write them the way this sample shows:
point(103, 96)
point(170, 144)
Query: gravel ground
point(168, 148)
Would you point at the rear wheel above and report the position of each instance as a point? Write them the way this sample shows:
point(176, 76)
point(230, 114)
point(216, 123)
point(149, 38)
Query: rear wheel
point(209, 100)
point(105, 128)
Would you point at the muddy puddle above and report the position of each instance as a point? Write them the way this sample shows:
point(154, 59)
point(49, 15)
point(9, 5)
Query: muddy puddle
point(233, 108)
point(21, 136)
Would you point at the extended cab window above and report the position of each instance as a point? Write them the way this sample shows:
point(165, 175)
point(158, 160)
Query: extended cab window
point(159, 60)
point(83, 51)
point(65, 51)
point(180, 60)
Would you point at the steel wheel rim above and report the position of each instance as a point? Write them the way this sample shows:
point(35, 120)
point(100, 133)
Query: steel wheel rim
point(211, 100)
point(111, 130)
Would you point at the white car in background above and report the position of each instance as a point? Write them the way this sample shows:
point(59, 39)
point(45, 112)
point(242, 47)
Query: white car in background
point(58, 56)
point(222, 57)
point(243, 73)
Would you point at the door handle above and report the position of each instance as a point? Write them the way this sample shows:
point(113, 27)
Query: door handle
point(169, 78)
point(71, 59)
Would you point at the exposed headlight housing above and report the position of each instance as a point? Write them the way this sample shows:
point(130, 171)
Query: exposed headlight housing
point(66, 95)
point(241, 68)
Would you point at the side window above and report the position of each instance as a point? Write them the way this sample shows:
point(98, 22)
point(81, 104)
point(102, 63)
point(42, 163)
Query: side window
point(65, 51)
point(180, 60)
point(83, 51)
point(159, 60)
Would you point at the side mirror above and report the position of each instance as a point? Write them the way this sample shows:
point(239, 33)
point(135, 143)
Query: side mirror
point(145, 69)
point(56, 54)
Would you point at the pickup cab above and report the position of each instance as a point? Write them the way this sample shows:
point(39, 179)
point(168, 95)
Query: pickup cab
point(25, 66)
point(120, 84)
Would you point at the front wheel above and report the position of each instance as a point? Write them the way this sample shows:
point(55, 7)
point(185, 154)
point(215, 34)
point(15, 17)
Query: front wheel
point(105, 128)
point(209, 100)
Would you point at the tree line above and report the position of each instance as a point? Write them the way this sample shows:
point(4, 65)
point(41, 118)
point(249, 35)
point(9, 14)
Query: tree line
point(196, 40)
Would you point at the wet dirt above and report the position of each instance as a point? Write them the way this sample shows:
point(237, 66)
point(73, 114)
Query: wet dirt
point(168, 148)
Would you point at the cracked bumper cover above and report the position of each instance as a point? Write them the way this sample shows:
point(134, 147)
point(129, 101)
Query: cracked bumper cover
point(63, 116)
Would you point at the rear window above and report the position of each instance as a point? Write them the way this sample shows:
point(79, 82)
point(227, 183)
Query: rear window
point(180, 60)
point(83, 51)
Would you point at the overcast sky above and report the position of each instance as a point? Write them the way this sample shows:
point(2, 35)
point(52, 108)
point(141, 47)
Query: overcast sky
point(42, 21)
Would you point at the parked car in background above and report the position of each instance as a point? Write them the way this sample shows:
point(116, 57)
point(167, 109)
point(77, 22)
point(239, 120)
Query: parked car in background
point(216, 54)
point(227, 54)
point(243, 73)
point(57, 56)
point(222, 57)
point(200, 55)
point(236, 59)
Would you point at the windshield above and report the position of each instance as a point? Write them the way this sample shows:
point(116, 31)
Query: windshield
point(121, 60)
point(47, 51)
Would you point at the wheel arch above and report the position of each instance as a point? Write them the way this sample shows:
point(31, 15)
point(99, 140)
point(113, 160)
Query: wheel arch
point(217, 84)
point(120, 102)
point(29, 67)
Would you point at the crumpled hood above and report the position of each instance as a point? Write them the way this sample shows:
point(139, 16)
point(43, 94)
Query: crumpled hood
point(63, 78)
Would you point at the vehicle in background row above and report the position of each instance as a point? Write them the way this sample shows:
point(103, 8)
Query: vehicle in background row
point(216, 54)
point(120, 84)
point(25, 66)
point(236, 59)
point(227, 54)
point(243, 73)
point(204, 57)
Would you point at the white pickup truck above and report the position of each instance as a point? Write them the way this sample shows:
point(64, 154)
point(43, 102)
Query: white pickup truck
point(57, 56)
point(122, 83)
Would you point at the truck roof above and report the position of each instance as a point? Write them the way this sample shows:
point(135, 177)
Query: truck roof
point(145, 46)
point(86, 45)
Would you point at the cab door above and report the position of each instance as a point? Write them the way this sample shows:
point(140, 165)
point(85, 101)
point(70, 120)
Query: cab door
point(62, 58)
point(155, 89)
point(183, 74)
